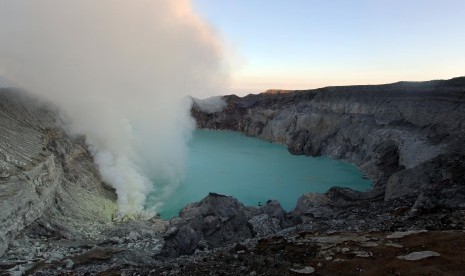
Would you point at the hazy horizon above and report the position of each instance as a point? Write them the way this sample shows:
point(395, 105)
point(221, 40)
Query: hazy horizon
point(301, 44)
point(246, 91)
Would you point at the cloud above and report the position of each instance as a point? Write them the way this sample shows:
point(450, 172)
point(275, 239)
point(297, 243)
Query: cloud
point(119, 70)
point(210, 105)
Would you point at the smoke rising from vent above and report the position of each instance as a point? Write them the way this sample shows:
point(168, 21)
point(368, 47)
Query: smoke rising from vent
point(119, 70)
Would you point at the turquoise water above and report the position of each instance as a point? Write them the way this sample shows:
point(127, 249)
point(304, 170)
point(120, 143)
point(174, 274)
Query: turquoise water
point(254, 171)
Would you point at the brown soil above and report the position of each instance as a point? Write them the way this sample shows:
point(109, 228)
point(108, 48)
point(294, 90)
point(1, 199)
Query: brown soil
point(451, 246)
point(276, 256)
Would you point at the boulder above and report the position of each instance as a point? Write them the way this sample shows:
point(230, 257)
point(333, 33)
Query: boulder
point(217, 219)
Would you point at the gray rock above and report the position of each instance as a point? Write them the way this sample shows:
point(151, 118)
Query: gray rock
point(406, 137)
point(17, 273)
point(182, 242)
point(69, 264)
point(412, 149)
point(362, 254)
point(51, 180)
point(273, 209)
point(415, 256)
point(263, 225)
point(315, 204)
point(400, 235)
point(369, 244)
point(217, 219)
point(396, 245)
point(305, 270)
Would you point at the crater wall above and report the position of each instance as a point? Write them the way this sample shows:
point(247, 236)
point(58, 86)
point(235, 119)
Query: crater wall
point(408, 137)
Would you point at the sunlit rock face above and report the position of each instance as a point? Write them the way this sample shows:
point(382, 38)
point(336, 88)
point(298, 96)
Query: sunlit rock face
point(391, 132)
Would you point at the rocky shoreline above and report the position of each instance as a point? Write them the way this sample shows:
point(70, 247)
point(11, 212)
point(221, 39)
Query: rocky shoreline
point(406, 137)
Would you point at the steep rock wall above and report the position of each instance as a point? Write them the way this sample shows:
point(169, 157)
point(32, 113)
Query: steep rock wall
point(46, 177)
point(389, 131)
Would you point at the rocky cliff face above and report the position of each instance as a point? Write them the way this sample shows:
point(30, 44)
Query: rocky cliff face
point(407, 136)
point(56, 214)
point(47, 179)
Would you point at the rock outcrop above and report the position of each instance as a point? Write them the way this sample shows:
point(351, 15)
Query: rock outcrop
point(407, 137)
point(217, 221)
point(48, 180)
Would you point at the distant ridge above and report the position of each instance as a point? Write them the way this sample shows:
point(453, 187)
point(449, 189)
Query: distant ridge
point(277, 91)
point(458, 81)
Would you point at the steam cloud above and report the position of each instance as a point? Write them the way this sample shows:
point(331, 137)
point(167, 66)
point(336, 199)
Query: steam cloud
point(119, 71)
point(210, 105)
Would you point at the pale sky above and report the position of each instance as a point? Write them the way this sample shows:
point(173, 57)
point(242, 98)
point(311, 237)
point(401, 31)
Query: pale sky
point(299, 44)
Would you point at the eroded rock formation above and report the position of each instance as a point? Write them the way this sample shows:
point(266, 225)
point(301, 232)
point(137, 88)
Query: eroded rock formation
point(408, 137)
point(47, 178)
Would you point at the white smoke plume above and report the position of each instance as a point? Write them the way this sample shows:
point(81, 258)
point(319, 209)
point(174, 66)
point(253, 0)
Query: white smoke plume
point(119, 70)
point(210, 105)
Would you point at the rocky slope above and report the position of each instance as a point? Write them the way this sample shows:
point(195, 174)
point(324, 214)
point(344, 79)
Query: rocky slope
point(407, 137)
point(47, 179)
point(54, 204)
point(220, 236)
point(399, 253)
